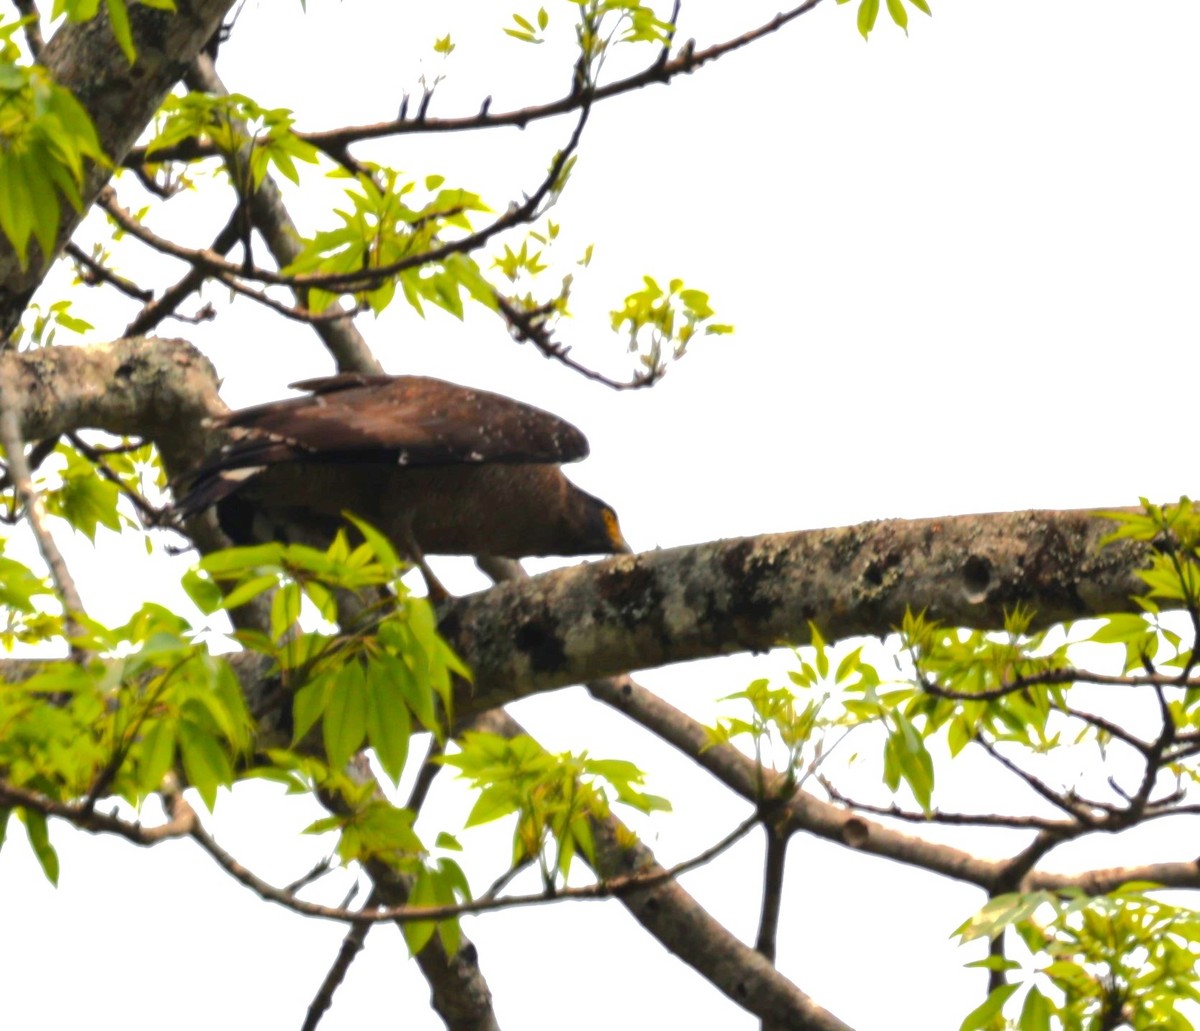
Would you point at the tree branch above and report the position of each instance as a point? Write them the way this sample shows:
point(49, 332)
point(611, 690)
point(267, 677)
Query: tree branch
point(334, 142)
point(35, 509)
point(363, 279)
point(753, 594)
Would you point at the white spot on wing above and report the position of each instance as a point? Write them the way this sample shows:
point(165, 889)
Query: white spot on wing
point(238, 475)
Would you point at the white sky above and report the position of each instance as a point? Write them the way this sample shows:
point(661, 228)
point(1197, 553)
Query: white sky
point(961, 269)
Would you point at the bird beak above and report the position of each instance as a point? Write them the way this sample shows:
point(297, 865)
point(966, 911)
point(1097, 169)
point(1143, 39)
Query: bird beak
point(616, 539)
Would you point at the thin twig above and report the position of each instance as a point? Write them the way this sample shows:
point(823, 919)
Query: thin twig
point(319, 870)
point(95, 272)
point(35, 508)
point(33, 30)
point(950, 819)
point(165, 306)
point(151, 515)
point(1110, 728)
point(1063, 675)
point(179, 825)
point(1060, 801)
point(530, 327)
point(288, 311)
point(351, 946)
point(430, 768)
point(406, 913)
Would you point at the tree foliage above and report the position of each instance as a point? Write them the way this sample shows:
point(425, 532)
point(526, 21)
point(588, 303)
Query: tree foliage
point(336, 660)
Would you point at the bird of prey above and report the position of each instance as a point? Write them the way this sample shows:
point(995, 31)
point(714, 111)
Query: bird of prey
point(439, 468)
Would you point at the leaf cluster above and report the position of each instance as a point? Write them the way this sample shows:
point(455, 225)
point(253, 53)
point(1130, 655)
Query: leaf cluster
point(46, 140)
point(383, 226)
point(360, 689)
point(778, 726)
point(868, 12)
point(149, 700)
point(598, 25)
point(1125, 959)
point(555, 798)
point(247, 135)
point(659, 320)
point(371, 829)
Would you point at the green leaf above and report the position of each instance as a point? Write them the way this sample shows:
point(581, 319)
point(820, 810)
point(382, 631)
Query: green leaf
point(382, 548)
point(1036, 1013)
point(898, 13)
point(444, 840)
point(491, 804)
point(418, 932)
point(205, 762)
point(85, 499)
point(868, 11)
point(980, 1018)
point(249, 590)
point(1120, 627)
point(233, 562)
point(400, 677)
point(203, 592)
point(44, 202)
point(39, 840)
point(345, 723)
point(156, 754)
point(16, 205)
point(285, 610)
point(389, 727)
point(118, 17)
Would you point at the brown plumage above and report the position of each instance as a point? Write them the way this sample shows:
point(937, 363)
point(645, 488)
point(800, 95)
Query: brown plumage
point(439, 468)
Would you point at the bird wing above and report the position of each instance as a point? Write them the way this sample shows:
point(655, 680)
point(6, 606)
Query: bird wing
point(415, 420)
point(402, 420)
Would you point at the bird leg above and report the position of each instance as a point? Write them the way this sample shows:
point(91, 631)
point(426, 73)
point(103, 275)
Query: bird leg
point(412, 551)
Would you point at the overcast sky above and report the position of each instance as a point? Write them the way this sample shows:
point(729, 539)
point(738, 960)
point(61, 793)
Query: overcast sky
point(962, 270)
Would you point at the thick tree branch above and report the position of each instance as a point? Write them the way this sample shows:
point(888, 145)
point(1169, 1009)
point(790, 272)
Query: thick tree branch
point(156, 388)
point(1097, 882)
point(753, 594)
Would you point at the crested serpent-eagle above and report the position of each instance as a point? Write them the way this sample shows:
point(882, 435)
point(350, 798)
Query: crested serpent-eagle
point(439, 468)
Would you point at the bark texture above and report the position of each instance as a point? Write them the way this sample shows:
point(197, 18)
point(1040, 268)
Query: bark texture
point(756, 593)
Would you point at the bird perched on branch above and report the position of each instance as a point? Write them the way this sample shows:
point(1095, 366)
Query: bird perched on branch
point(439, 468)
